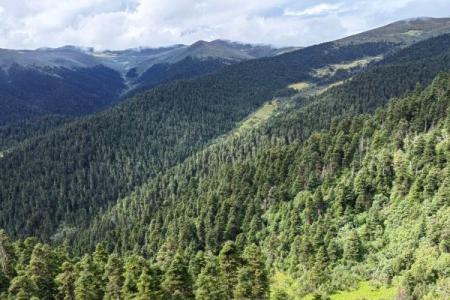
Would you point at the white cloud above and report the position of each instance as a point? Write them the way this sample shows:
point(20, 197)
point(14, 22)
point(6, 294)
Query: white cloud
point(131, 23)
point(319, 9)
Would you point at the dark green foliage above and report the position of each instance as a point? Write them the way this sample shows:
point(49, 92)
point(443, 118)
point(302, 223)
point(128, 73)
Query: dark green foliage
point(252, 279)
point(66, 281)
point(323, 209)
point(207, 285)
point(42, 270)
point(134, 266)
point(229, 261)
point(88, 284)
point(321, 192)
point(7, 261)
point(187, 68)
point(114, 277)
point(177, 283)
point(85, 165)
point(30, 92)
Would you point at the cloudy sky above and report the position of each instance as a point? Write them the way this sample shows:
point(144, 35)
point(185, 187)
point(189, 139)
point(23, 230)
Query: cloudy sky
point(117, 24)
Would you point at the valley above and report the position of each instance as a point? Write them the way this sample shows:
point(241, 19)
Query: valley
point(223, 170)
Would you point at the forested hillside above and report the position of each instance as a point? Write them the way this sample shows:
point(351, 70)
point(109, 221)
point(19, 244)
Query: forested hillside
point(73, 81)
point(29, 93)
point(327, 212)
point(306, 175)
point(79, 168)
point(330, 211)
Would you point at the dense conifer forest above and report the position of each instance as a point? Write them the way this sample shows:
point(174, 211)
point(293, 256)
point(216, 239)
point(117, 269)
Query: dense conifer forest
point(111, 153)
point(196, 190)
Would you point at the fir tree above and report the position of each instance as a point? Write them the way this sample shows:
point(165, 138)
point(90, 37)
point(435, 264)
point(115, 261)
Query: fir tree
point(134, 265)
point(7, 261)
point(42, 270)
point(22, 287)
point(66, 282)
point(114, 278)
point(177, 280)
point(87, 285)
point(253, 280)
point(229, 261)
point(207, 285)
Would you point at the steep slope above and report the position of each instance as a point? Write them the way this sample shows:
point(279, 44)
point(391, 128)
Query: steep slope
point(31, 92)
point(294, 122)
point(364, 199)
point(70, 81)
point(111, 153)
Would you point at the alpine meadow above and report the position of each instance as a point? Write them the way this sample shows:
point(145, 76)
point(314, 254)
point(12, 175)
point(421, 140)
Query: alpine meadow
point(209, 169)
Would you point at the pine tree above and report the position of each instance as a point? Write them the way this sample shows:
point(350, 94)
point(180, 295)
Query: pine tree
point(145, 285)
point(66, 282)
point(177, 280)
point(196, 264)
point(87, 285)
point(207, 285)
point(7, 261)
point(42, 270)
point(24, 250)
point(22, 287)
point(134, 265)
point(352, 247)
point(229, 261)
point(114, 278)
point(253, 280)
point(100, 258)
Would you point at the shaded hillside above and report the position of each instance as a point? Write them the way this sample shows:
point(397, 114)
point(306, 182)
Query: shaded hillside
point(27, 93)
point(71, 81)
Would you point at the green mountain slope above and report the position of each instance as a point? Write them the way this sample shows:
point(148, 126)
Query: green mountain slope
point(62, 179)
point(235, 186)
point(365, 199)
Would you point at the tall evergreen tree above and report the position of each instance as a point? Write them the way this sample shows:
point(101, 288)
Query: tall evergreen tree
point(177, 280)
point(65, 281)
point(229, 261)
point(42, 270)
point(352, 247)
point(134, 265)
point(22, 287)
point(114, 278)
point(88, 285)
point(7, 261)
point(253, 282)
point(208, 285)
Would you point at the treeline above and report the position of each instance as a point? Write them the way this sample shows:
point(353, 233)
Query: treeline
point(32, 270)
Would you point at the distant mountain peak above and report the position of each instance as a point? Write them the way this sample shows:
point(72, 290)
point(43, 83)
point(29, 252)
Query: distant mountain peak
point(405, 31)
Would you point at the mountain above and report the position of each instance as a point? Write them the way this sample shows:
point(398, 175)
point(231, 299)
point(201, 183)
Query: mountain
point(304, 174)
point(154, 130)
point(403, 32)
point(323, 213)
point(295, 125)
point(71, 81)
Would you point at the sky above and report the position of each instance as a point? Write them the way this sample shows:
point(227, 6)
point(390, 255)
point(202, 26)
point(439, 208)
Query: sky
point(119, 24)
